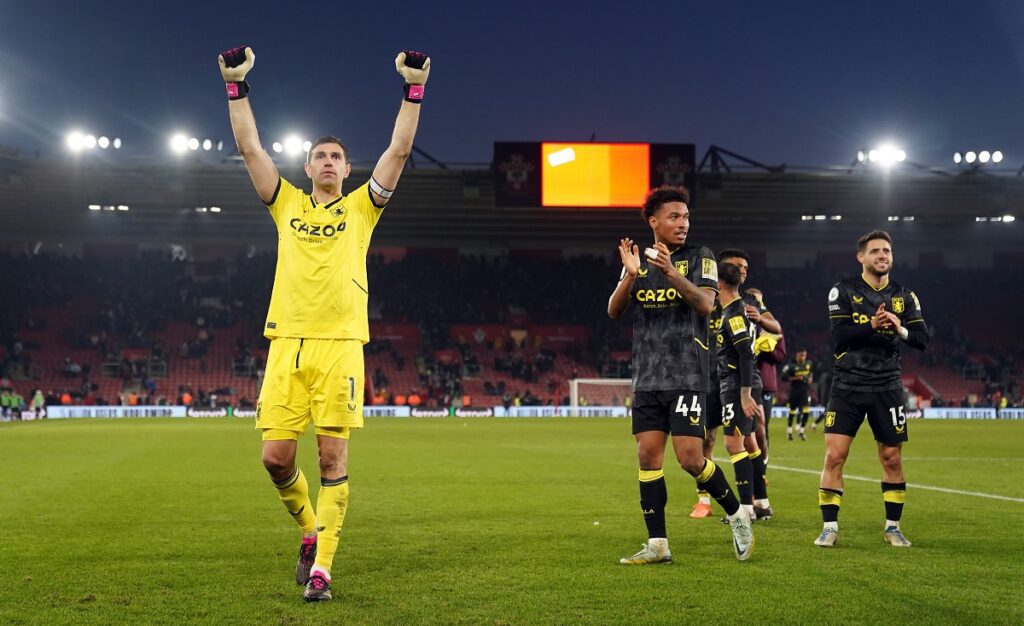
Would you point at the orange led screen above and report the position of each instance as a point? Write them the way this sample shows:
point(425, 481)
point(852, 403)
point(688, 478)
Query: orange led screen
point(595, 174)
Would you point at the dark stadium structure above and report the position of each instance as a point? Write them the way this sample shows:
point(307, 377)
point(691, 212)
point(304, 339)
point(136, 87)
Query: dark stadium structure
point(469, 302)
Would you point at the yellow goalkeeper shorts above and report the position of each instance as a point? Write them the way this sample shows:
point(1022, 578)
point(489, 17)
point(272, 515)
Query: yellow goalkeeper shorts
point(320, 379)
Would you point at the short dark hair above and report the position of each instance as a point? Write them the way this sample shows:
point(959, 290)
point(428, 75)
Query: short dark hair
point(862, 243)
point(660, 195)
point(733, 253)
point(729, 273)
point(326, 139)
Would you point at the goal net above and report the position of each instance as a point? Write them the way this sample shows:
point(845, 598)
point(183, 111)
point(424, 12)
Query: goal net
point(599, 391)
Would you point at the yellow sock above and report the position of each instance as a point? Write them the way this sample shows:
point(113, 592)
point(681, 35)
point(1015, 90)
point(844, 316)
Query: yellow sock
point(331, 505)
point(294, 493)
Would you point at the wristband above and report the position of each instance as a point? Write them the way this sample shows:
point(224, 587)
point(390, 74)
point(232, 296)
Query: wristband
point(237, 90)
point(413, 93)
point(904, 333)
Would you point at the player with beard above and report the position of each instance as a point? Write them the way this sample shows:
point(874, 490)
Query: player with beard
point(871, 316)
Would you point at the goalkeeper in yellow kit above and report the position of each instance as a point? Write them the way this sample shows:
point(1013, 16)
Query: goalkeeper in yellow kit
point(317, 322)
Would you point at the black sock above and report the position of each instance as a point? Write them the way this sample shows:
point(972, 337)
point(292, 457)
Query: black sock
point(829, 500)
point(760, 488)
point(894, 494)
point(744, 477)
point(712, 480)
point(653, 497)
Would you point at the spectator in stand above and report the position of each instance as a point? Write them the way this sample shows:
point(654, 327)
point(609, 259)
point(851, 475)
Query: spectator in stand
point(6, 400)
point(65, 398)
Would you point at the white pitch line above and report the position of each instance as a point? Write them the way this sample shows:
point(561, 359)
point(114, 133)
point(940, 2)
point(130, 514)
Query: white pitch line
point(978, 494)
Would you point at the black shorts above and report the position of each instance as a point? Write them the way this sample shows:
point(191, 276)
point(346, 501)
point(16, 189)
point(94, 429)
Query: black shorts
point(734, 421)
point(798, 398)
point(767, 403)
point(884, 410)
point(714, 409)
point(680, 413)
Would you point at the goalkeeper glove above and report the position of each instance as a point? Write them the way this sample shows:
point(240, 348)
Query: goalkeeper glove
point(234, 65)
point(414, 68)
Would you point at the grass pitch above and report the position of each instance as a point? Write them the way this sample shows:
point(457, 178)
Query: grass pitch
point(492, 521)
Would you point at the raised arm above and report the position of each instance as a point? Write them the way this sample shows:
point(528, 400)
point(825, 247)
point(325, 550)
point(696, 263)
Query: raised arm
point(629, 252)
point(234, 65)
point(414, 68)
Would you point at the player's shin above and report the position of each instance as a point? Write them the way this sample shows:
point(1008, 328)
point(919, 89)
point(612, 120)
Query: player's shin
point(744, 479)
point(712, 480)
point(653, 497)
point(331, 504)
point(829, 501)
point(894, 495)
point(294, 494)
point(760, 486)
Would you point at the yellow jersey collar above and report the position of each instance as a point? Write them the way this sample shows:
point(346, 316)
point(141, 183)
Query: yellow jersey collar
point(880, 288)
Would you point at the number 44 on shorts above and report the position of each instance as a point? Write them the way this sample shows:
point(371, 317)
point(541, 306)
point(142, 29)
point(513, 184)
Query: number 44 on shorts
point(689, 405)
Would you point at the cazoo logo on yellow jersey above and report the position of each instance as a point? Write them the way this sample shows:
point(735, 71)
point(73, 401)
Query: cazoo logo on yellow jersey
point(316, 230)
point(658, 295)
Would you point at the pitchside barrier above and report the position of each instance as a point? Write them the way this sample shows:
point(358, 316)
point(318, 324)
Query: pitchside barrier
point(60, 412)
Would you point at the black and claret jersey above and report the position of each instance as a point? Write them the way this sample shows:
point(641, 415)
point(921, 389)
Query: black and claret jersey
point(799, 375)
point(867, 359)
point(735, 342)
point(670, 339)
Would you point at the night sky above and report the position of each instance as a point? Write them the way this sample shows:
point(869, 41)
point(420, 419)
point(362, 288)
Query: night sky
point(804, 83)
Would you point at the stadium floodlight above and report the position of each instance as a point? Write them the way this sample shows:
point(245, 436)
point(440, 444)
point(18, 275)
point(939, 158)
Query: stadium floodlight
point(220, 146)
point(819, 218)
point(835, 218)
point(89, 141)
point(908, 218)
point(200, 209)
point(894, 218)
point(103, 142)
point(94, 207)
point(193, 143)
point(957, 158)
point(971, 156)
point(997, 156)
point(117, 143)
point(122, 207)
point(75, 141)
point(292, 145)
point(207, 145)
point(179, 143)
point(1009, 218)
point(981, 219)
point(887, 155)
point(984, 156)
point(307, 146)
point(109, 207)
point(277, 147)
point(861, 156)
point(806, 218)
point(215, 209)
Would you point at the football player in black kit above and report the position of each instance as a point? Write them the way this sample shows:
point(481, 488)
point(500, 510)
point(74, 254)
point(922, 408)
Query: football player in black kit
point(673, 285)
point(870, 316)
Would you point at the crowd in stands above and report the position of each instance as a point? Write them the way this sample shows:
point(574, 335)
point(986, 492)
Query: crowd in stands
point(120, 320)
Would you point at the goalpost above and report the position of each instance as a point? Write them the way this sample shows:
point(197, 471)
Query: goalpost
point(599, 391)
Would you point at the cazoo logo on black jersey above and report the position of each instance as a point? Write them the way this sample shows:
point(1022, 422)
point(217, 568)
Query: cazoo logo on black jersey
point(316, 230)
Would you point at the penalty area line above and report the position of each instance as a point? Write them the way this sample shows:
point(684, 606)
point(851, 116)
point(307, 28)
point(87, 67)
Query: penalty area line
point(960, 492)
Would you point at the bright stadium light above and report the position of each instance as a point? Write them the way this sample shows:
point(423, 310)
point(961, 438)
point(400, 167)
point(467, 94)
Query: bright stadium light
point(819, 218)
point(984, 156)
point(957, 158)
point(292, 145)
point(997, 156)
point(306, 145)
point(861, 156)
point(970, 157)
point(207, 144)
point(75, 141)
point(215, 209)
point(220, 146)
point(122, 207)
point(908, 218)
point(103, 143)
point(94, 207)
point(179, 143)
point(117, 143)
point(806, 218)
point(89, 141)
point(1009, 218)
point(193, 143)
point(835, 218)
point(981, 219)
point(277, 147)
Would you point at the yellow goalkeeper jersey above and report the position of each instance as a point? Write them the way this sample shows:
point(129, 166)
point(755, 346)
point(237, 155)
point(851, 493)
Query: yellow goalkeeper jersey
point(320, 287)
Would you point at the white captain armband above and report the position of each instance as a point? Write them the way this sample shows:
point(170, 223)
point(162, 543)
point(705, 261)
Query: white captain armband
point(376, 188)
